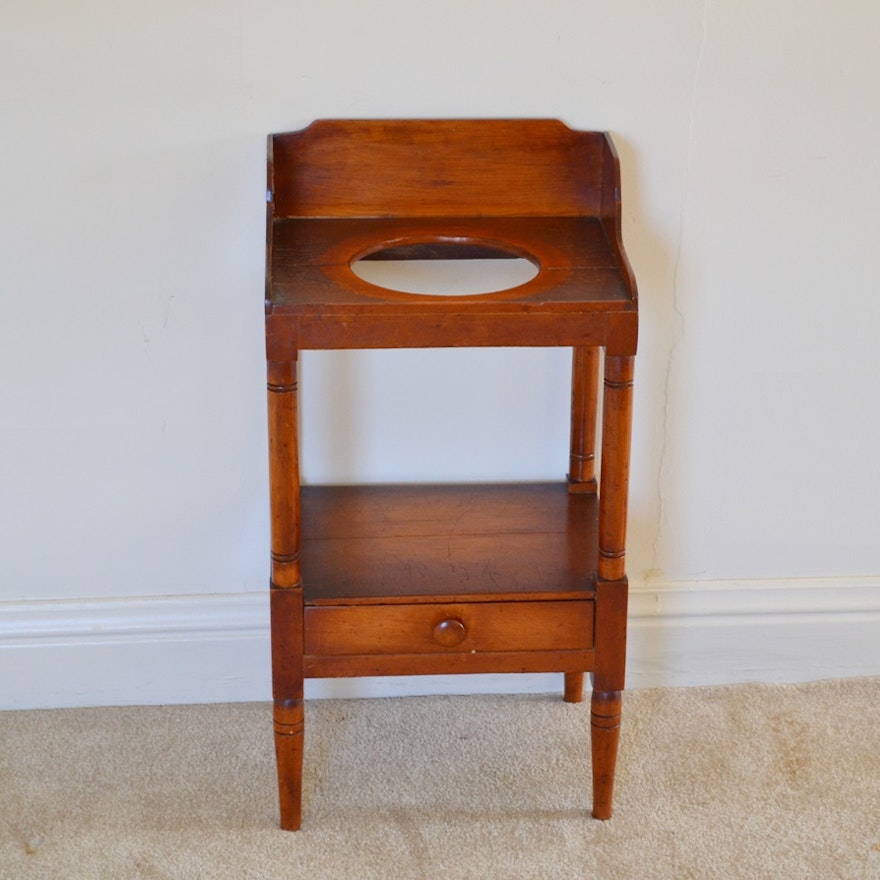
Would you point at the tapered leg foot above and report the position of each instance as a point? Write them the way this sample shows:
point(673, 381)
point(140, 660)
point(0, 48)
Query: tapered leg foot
point(289, 758)
point(574, 687)
point(604, 734)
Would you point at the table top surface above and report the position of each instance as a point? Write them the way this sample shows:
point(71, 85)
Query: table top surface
point(579, 268)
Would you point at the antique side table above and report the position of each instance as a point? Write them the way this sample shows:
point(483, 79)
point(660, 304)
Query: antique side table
point(391, 580)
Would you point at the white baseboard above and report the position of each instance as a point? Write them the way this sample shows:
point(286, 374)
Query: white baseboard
point(215, 648)
point(724, 632)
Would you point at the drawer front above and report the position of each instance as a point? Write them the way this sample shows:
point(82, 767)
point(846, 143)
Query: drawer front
point(448, 628)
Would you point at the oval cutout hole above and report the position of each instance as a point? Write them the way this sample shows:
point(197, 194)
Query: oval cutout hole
point(445, 270)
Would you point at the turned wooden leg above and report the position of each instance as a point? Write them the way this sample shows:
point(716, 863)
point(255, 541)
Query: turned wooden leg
point(582, 456)
point(605, 732)
point(286, 590)
point(574, 687)
point(288, 710)
point(614, 487)
point(584, 391)
point(608, 682)
point(611, 583)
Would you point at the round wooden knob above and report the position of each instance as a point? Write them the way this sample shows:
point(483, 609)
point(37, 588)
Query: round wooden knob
point(450, 633)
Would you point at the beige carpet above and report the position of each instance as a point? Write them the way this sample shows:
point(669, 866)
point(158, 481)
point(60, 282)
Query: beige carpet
point(741, 782)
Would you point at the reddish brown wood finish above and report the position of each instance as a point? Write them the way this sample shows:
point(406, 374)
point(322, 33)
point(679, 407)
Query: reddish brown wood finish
point(286, 590)
point(477, 629)
point(616, 426)
point(447, 543)
point(395, 580)
point(438, 168)
point(573, 690)
point(582, 458)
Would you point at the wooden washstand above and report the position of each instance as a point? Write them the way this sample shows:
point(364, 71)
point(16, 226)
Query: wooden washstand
point(434, 579)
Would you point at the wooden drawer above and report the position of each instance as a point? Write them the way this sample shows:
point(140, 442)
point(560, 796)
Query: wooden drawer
point(449, 628)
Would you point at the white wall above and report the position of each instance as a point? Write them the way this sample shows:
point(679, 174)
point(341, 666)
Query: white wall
point(133, 500)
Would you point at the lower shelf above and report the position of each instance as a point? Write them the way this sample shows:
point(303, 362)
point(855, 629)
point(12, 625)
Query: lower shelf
point(442, 579)
point(447, 543)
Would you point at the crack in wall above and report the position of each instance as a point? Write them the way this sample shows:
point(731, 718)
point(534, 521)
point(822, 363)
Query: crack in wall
point(678, 315)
